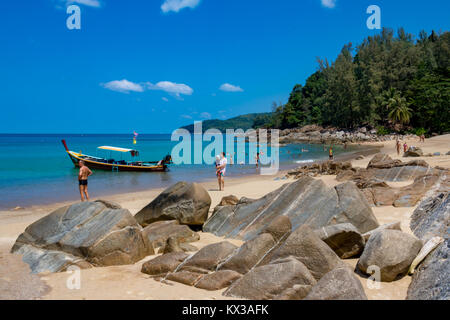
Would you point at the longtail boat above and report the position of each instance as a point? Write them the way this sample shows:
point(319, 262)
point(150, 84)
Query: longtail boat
point(121, 165)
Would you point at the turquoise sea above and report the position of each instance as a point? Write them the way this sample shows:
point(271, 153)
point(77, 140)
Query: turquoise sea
point(35, 169)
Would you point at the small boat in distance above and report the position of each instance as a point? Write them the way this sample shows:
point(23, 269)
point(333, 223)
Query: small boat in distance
point(121, 165)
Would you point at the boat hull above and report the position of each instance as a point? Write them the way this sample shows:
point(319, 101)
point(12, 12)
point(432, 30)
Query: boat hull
point(114, 167)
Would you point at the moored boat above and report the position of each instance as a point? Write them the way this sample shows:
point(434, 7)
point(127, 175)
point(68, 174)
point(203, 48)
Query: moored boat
point(118, 165)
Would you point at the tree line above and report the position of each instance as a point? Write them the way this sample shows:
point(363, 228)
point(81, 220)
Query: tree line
point(391, 82)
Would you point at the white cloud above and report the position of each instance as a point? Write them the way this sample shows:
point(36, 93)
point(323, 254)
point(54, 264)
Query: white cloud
point(177, 5)
point(230, 88)
point(126, 86)
point(171, 87)
point(123, 86)
point(329, 3)
point(205, 115)
point(89, 3)
point(185, 116)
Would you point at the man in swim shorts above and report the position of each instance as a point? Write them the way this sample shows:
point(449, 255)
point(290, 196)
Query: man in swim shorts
point(220, 171)
point(83, 175)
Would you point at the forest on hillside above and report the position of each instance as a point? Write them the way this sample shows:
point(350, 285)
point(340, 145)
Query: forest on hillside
point(391, 82)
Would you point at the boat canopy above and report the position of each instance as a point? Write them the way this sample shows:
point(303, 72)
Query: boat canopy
point(116, 149)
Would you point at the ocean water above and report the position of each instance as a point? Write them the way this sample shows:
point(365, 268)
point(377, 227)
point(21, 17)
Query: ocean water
point(35, 169)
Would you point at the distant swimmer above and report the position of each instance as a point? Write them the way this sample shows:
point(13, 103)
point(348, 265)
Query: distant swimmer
point(83, 175)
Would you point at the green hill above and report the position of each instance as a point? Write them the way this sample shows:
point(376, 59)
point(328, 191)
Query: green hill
point(245, 122)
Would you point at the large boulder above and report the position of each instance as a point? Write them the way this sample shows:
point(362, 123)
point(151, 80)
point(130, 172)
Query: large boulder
point(306, 246)
point(172, 245)
point(284, 279)
point(305, 201)
point(392, 251)
point(185, 277)
point(338, 284)
point(188, 203)
point(381, 194)
point(432, 217)
point(429, 220)
point(208, 258)
point(431, 279)
point(158, 233)
point(217, 280)
point(392, 226)
point(409, 196)
point(383, 168)
point(249, 254)
point(355, 208)
point(343, 238)
point(164, 264)
point(228, 201)
point(413, 152)
point(280, 228)
point(383, 161)
point(86, 233)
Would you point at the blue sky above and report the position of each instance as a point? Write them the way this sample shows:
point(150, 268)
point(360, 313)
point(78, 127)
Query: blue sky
point(154, 65)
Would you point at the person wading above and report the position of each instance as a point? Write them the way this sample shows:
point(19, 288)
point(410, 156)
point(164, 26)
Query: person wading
point(83, 175)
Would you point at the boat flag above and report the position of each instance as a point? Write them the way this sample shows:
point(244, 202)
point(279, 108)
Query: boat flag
point(135, 137)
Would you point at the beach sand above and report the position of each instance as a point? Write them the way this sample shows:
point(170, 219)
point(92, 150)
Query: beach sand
point(127, 282)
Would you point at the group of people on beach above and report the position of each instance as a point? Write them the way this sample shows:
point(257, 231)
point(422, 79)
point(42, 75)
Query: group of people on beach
point(398, 144)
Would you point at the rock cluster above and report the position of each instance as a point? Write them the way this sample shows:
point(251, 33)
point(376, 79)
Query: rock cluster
point(101, 233)
point(276, 264)
point(381, 169)
point(84, 234)
point(305, 201)
point(283, 256)
point(318, 134)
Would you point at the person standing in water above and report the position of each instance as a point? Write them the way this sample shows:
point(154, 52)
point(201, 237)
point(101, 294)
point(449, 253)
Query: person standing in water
point(330, 153)
point(220, 171)
point(83, 175)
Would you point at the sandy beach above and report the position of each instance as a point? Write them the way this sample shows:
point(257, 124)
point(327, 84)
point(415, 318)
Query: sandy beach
point(127, 282)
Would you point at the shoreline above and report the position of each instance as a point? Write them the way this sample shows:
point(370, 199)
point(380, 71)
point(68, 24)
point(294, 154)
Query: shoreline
point(50, 203)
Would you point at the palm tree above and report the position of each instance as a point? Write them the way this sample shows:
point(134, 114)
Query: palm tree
point(399, 110)
point(385, 99)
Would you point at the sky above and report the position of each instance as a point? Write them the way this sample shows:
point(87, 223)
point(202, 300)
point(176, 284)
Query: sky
point(151, 66)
